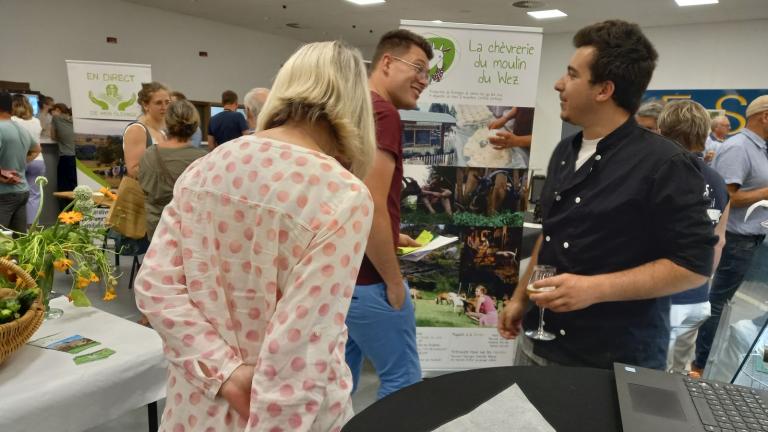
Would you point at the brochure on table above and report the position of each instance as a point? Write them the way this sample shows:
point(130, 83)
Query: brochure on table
point(466, 151)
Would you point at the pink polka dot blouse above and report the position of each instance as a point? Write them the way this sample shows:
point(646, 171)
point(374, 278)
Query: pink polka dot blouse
point(254, 262)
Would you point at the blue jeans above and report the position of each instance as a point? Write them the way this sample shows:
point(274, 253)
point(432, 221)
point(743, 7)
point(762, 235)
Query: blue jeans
point(734, 263)
point(387, 337)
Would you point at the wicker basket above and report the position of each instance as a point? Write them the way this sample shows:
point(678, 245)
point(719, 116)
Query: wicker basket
point(15, 334)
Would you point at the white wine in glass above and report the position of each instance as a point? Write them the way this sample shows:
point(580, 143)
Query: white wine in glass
point(540, 272)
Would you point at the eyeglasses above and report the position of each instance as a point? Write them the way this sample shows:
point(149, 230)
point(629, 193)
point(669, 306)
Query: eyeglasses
point(421, 71)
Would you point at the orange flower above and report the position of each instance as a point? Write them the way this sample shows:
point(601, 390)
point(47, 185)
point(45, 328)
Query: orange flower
point(71, 217)
point(108, 193)
point(94, 278)
point(83, 282)
point(109, 295)
point(62, 264)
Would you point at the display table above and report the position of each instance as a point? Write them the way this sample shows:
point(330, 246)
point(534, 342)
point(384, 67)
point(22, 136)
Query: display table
point(43, 390)
point(571, 399)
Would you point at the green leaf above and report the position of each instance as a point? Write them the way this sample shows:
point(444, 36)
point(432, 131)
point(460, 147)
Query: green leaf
point(79, 298)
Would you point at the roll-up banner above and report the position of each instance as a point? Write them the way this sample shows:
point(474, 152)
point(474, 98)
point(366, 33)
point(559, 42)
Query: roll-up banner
point(466, 151)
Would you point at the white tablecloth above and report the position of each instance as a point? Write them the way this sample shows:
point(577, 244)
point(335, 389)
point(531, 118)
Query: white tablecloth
point(44, 390)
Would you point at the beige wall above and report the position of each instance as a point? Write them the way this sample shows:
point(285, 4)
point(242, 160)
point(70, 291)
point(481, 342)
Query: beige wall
point(39, 35)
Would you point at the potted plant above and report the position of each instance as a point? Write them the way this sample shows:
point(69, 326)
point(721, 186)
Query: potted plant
point(73, 244)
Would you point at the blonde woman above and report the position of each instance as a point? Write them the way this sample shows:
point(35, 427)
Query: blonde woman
point(250, 273)
point(164, 162)
point(22, 115)
point(149, 128)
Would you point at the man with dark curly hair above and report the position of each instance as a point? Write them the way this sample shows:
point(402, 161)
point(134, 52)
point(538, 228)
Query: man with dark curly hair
point(624, 217)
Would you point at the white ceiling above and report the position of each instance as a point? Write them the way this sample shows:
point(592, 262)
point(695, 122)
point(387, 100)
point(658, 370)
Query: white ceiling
point(362, 25)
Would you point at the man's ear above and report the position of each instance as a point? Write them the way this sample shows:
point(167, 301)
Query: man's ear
point(385, 63)
point(605, 92)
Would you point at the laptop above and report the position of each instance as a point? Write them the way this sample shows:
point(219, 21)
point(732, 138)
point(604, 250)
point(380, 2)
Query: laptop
point(656, 401)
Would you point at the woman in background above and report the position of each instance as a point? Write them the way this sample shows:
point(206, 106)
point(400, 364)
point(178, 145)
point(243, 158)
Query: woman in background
point(485, 309)
point(22, 115)
point(688, 123)
point(197, 138)
point(149, 128)
point(250, 273)
point(63, 133)
point(45, 105)
point(164, 162)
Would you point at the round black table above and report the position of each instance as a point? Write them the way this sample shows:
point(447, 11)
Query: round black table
point(571, 399)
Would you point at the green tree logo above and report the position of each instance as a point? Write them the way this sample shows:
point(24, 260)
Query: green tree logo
point(444, 53)
point(112, 97)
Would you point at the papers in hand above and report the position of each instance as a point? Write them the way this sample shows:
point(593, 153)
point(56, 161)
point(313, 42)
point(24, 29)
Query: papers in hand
point(430, 243)
point(763, 203)
point(497, 414)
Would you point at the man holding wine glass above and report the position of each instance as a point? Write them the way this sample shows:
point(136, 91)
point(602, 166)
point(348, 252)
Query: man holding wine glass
point(624, 219)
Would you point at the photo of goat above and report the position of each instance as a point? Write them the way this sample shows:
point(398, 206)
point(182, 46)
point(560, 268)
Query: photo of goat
point(442, 296)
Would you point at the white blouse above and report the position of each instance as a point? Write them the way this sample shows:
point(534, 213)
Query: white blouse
point(254, 262)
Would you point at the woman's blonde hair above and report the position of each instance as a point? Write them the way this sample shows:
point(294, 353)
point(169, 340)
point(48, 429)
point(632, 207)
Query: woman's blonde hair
point(181, 120)
point(686, 122)
point(21, 107)
point(326, 81)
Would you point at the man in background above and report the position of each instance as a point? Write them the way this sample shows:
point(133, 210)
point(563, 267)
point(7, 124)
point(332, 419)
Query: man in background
point(743, 163)
point(720, 128)
point(228, 124)
point(17, 147)
point(254, 100)
point(648, 115)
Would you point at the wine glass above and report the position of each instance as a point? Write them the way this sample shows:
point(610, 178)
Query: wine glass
point(540, 272)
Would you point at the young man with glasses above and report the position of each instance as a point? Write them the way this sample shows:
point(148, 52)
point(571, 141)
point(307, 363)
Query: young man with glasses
point(381, 320)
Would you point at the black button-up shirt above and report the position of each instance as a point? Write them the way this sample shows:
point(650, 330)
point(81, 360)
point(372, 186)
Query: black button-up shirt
point(636, 200)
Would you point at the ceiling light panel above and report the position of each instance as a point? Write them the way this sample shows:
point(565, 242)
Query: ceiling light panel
point(695, 2)
point(366, 2)
point(546, 14)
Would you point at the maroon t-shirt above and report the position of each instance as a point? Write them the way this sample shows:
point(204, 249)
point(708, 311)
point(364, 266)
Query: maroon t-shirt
point(389, 132)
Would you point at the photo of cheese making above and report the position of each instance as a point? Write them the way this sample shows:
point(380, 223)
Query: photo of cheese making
point(468, 135)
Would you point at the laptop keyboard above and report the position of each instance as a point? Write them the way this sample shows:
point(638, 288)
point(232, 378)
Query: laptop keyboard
point(728, 407)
